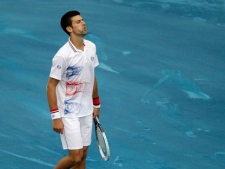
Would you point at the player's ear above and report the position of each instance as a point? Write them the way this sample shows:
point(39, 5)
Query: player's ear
point(69, 29)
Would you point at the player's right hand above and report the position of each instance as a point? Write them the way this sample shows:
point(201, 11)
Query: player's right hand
point(58, 125)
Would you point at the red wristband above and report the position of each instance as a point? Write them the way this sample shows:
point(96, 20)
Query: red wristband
point(55, 113)
point(96, 101)
point(55, 110)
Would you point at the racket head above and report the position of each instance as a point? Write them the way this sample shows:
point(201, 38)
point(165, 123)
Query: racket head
point(102, 141)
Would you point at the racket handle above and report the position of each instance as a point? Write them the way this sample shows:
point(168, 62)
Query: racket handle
point(96, 118)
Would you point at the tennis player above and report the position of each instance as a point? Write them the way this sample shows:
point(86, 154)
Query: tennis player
point(72, 92)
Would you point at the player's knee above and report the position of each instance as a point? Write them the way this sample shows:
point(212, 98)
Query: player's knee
point(76, 159)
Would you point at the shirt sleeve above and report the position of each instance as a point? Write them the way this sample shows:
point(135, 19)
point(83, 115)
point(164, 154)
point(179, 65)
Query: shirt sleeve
point(96, 61)
point(58, 67)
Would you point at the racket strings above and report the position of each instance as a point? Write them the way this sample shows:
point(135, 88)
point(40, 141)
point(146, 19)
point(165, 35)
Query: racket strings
point(101, 141)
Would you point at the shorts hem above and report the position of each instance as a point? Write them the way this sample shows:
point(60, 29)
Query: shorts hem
point(76, 148)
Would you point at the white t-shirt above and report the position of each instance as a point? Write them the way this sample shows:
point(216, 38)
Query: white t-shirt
point(75, 71)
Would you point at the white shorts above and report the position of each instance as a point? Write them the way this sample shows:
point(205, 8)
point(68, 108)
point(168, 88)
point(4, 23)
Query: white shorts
point(77, 132)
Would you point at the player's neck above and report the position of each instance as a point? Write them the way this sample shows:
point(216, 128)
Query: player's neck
point(78, 42)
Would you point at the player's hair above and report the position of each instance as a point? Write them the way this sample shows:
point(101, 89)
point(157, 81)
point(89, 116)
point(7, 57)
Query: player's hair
point(66, 20)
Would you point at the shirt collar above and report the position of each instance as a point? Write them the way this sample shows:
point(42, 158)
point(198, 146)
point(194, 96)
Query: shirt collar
point(73, 47)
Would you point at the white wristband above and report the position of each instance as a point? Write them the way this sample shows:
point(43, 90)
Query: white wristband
point(55, 115)
point(96, 106)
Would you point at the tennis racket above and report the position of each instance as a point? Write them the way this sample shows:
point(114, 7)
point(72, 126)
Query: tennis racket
point(102, 142)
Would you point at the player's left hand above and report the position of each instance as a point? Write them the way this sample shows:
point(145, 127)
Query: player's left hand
point(96, 112)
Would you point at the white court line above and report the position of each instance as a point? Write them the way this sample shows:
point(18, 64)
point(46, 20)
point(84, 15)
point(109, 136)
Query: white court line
point(29, 159)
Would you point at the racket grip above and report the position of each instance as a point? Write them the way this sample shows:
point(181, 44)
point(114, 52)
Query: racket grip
point(96, 118)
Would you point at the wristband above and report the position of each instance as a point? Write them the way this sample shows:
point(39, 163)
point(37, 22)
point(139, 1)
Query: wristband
point(55, 113)
point(96, 102)
point(98, 106)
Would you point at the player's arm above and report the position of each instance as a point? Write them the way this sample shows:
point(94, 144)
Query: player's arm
point(96, 99)
point(52, 101)
point(51, 93)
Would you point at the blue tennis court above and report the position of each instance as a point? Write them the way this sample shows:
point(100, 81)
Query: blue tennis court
point(161, 81)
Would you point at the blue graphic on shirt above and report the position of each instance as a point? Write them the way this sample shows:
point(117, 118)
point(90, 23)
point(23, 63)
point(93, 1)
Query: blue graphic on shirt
point(71, 107)
point(73, 71)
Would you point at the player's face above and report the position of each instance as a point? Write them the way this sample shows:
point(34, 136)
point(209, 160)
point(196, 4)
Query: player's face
point(78, 25)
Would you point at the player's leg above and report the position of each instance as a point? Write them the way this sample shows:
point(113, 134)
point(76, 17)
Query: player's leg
point(86, 132)
point(74, 158)
point(71, 141)
point(82, 163)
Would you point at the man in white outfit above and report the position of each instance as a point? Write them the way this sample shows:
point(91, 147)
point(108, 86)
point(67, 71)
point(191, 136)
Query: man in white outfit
point(72, 92)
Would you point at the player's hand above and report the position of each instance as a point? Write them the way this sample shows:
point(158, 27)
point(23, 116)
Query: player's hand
point(58, 125)
point(96, 112)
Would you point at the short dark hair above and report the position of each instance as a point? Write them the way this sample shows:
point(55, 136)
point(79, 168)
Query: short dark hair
point(66, 19)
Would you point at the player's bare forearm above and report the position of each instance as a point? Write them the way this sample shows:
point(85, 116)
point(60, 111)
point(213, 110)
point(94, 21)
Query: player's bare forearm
point(95, 88)
point(51, 93)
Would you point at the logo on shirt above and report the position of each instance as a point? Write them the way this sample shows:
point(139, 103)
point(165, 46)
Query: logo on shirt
point(75, 87)
point(73, 71)
point(58, 67)
point(92, 58)
point(71, 107)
